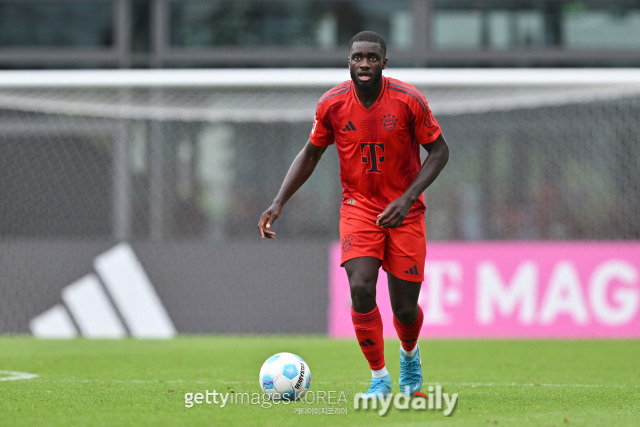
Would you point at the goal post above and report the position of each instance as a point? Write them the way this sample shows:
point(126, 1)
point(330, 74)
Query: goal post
point(536, 154)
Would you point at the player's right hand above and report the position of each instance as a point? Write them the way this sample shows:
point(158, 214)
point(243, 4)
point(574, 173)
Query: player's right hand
point(267, 219)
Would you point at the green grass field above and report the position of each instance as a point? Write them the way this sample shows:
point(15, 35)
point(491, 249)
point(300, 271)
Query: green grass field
point(136, 382)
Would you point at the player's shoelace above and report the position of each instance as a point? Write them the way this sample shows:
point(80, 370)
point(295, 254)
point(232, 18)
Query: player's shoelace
point(410, 371)
point(378, 387)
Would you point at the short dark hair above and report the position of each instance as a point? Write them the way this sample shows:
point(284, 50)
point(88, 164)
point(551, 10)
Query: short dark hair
point(369, 36)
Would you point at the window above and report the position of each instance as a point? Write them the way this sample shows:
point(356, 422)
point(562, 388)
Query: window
point(603, 25)
point(280, 23)
point(62, 24)
point(526, 24)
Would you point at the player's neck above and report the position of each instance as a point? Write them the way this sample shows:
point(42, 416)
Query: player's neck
point(368, 96)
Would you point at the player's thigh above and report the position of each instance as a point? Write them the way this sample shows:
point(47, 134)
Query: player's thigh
point(403, 295)
point(405, 252)
point(363, 274)
point(360, 237)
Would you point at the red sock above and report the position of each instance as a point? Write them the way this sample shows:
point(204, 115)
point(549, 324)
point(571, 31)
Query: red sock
point(368, 328)
point(409, 334)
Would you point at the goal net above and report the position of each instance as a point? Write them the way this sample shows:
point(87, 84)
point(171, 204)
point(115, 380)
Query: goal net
point(174, 154)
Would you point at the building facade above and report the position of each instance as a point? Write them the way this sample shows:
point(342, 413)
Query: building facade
point(313, 33)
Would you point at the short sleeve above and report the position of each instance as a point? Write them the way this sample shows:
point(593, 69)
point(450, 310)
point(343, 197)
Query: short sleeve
point(322, 131)
point(426, 127)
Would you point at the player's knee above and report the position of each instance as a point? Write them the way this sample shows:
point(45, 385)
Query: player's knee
point(406, 314)
point(362, 290)
point(363, 294)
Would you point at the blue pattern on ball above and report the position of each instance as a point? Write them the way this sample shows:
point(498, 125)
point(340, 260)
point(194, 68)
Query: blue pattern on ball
point(290, 371)
point(273, 358)
point(267, 382)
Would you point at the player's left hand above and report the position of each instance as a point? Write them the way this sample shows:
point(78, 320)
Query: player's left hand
point(394, 214)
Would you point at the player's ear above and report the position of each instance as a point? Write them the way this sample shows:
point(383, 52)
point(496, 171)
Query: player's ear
point(384, 63)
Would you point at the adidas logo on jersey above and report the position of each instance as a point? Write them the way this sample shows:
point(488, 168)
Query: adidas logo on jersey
point(348, 127)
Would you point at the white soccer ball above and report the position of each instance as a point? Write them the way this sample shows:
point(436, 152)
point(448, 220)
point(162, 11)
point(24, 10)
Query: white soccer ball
point(285, 376)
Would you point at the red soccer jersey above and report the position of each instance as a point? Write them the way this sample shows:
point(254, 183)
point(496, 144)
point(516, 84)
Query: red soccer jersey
point(379, 147)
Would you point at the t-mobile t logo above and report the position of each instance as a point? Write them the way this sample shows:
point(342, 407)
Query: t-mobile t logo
point(372, 155)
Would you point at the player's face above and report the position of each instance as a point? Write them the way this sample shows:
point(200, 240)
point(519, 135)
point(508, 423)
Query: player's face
point(366, 62)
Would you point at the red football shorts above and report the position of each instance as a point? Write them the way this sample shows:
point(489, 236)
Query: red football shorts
point(402, 250)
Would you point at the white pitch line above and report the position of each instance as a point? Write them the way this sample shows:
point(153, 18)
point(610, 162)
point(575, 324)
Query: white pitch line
point(12, 376)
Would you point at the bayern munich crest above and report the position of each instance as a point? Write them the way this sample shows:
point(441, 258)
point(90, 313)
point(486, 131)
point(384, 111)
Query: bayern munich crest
point(346, 243)
point(389, 121)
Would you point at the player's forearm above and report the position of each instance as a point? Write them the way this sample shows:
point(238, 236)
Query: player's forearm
point(297, 175)
point(431, 168)
point(301, 169)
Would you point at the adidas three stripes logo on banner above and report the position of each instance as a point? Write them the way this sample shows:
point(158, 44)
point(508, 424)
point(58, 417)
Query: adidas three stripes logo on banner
point(116, 301)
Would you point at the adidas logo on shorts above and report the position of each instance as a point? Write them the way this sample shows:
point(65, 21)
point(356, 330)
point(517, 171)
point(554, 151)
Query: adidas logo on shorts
point(413, 270)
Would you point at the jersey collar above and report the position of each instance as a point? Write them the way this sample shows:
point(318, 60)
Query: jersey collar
point(384, 89)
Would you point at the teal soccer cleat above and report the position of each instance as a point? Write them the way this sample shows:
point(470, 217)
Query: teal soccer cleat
point(380, 387)
point(410, 373)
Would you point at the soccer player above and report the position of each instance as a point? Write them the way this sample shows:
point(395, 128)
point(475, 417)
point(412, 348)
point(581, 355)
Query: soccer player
point(378, 125)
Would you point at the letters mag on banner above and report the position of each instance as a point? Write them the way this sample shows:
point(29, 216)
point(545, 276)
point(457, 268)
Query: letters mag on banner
point(515, 290)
